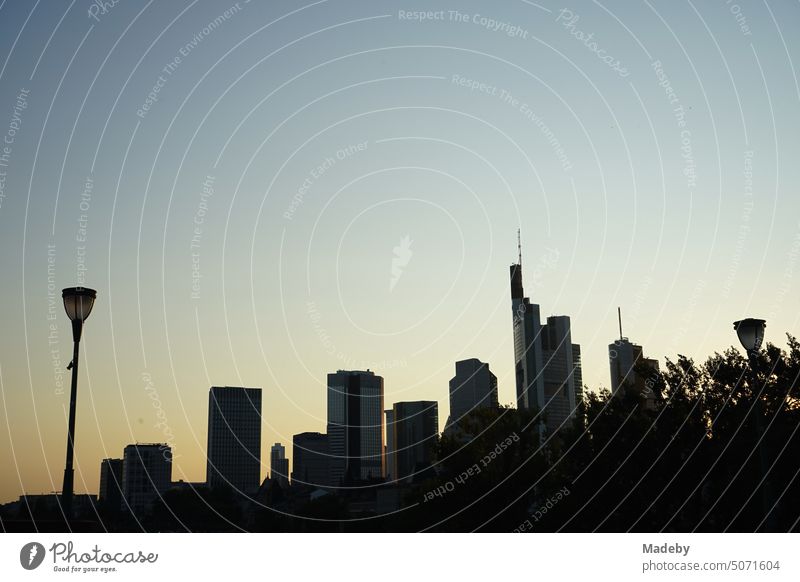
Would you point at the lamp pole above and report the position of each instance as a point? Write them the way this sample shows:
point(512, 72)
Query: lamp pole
point(751, 335)
point(78, 302)
point(766, 497)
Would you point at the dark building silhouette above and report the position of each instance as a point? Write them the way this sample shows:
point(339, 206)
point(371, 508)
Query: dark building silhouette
point(527, 348)
point(146, 475)
point(547, 363)
point(110, 494)
point(563, 377)
point(472, 387)
point(390, 471)
point(279, 465)
point(415, 430)
point(310, 459)
point(355, 426)
point(234, 438)
point(627, 364)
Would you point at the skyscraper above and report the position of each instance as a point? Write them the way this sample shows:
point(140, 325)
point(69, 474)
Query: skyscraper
point(390, 472)
point(234, 438)
point(110, 493)
point(563, 378)
point(627, 364)
point(310, 459)
point(146, 475)
point(279, 464)
point(355, 426)
point(547, 363)
point(415, 430)
point(527, 344)
point(472, 387)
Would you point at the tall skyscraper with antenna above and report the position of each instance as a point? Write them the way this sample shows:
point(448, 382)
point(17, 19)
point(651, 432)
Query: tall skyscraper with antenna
point(631, 371)
point(547, 364)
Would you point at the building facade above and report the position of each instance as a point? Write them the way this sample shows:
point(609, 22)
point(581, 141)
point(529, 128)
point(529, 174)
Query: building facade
point(279, 465)
point(110, 493)
point(355, 426)
point(310, 459)
point(234, 438)
point(415, 430)
point(390, 472)
point(146, 475)
point(527, 345)
point(472, 387)
point(547, 364)
point(632, 372)
point(563, 378)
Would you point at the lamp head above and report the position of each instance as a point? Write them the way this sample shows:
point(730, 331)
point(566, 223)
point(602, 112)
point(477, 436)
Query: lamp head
point(751, 333)
point(78, 302)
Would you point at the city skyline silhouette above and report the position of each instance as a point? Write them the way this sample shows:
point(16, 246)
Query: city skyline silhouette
point(264, 195)
point(378, 480)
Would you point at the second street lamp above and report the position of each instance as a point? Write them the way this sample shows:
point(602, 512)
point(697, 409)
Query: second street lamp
point(78, 303)
point(751, 336)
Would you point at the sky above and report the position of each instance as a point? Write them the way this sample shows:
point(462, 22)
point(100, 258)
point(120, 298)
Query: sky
point(263, 193)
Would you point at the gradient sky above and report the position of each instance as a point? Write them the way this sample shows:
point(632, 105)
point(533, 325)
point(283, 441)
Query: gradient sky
point(326, 133)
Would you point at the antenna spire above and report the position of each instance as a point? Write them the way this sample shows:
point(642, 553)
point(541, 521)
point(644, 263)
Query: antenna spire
point(619, 316)
point(519, 247)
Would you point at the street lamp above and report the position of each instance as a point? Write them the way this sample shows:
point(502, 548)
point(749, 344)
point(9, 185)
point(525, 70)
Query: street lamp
point(751, 333)
point(751, 336)
point(78, 302)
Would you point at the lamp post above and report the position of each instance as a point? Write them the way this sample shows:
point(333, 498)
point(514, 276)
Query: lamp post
point(78, 302)
point(751, 335)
